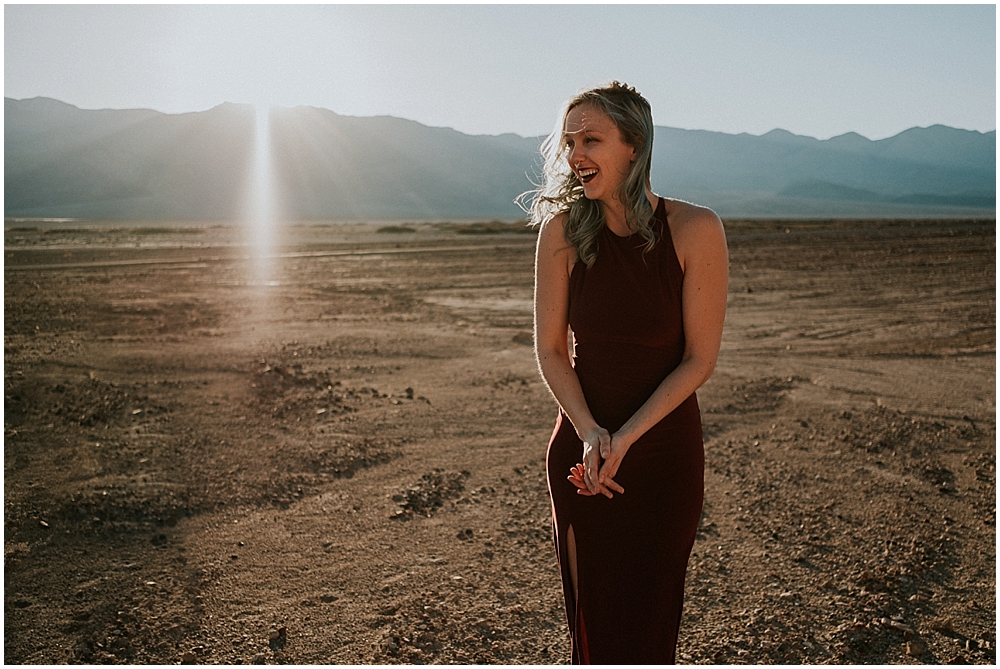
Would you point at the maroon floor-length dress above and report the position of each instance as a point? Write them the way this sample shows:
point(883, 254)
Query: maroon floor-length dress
point(632, 550)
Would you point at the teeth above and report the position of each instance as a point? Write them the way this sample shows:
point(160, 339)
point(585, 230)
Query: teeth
point(588, 173)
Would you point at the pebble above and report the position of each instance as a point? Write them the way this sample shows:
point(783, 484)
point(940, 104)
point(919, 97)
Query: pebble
point(942, 625)
point(259, 658)
point(908, 631)
point(188, 657)
point(916, 648)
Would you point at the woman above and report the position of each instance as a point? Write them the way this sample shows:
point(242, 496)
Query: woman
point(639, 283)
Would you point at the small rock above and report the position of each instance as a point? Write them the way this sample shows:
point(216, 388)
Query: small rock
point(942, 625)
point(188, 657)
point(907, 631)
point(916, 648)
point(259, 658)
point(326, 599)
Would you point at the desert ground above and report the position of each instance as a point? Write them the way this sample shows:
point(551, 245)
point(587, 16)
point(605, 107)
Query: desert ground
point(336, 455)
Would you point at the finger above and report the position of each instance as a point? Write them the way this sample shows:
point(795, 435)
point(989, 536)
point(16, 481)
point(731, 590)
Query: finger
point(613, 486)
point(609, 469)
point(605, 446)
point(590, 475)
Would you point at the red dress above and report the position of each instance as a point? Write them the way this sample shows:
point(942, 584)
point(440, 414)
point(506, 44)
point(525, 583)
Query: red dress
point(632, 550)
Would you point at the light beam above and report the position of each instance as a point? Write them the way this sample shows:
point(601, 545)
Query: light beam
point(262, 216)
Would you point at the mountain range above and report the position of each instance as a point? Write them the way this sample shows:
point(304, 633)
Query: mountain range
point(61, 161)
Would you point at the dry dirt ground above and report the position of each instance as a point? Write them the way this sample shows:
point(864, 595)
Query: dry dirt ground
point(339, 457)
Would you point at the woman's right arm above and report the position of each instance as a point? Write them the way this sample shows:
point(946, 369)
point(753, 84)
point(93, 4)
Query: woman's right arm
point(554, 260)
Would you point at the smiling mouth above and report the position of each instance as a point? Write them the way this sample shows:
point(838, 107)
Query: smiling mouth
point(587, 175)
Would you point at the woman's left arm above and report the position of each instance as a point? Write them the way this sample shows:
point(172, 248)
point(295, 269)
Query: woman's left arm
point(700, 241)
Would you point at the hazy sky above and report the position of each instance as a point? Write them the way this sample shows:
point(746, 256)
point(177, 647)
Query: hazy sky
point(813, 70)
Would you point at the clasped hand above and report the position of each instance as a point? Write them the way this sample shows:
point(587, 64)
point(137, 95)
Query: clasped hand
point(591, 477)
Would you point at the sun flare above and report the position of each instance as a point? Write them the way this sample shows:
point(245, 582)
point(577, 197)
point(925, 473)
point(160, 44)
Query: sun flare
point(262, 218)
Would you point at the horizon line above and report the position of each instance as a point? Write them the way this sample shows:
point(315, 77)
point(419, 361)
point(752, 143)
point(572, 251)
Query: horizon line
point(499, 134)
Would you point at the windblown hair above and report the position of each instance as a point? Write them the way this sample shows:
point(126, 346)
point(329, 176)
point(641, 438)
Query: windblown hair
point(561, 190)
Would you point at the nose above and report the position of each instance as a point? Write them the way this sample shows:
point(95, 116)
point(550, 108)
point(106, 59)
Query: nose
point(575, 154)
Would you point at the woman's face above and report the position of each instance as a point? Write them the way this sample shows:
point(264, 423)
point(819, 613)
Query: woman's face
point(598, 155)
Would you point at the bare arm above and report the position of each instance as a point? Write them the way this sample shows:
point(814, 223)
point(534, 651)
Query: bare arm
point(554, 260)
point(701, 245)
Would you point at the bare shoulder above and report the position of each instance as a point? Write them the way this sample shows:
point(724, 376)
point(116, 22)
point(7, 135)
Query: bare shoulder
point(554, 227)
point(552, 241)
point(697, 231)
point(687, 219)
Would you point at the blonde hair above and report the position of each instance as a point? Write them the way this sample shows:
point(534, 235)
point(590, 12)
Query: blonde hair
point(561, 190)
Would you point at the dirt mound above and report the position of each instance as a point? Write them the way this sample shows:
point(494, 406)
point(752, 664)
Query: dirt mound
point(430, 494)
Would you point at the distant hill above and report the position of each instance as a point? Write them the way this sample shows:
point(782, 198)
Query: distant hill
point(337, 166)
point(921, 171)
point(61, 161)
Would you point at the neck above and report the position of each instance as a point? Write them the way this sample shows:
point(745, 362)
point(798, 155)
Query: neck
point(615, 215)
